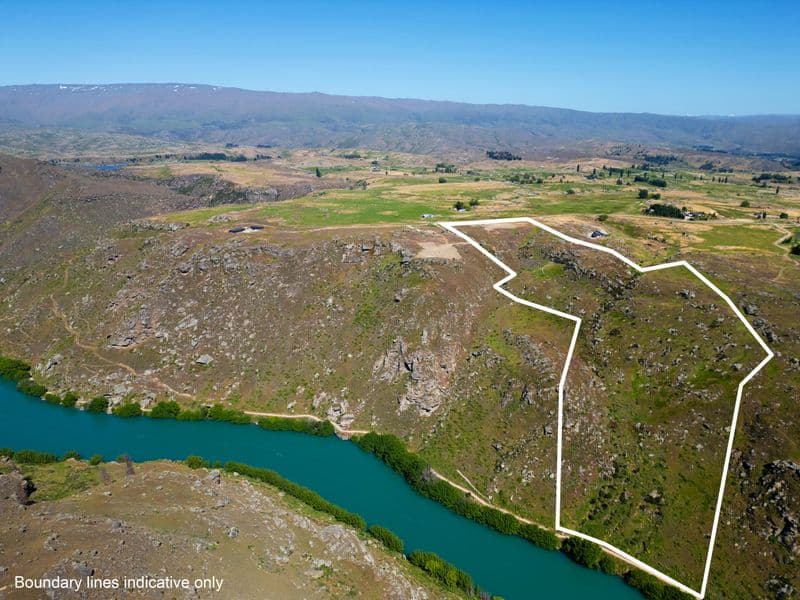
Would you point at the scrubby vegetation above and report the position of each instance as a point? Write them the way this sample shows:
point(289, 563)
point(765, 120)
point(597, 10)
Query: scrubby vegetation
point(29, 457)
point(196, 462)
point(660, 159)
point(128, 409)
point(664, 210)
point(538, 536)
point(51, 477)
point(773, 177)
point(230, 415)
point(319, 428)
point(442, 571)
point(51, 398)
point(69, 399)
point(445, 573)
point(380, 204)
point(391, 450)
point(13, 369)
point(524, 177)
point(591, 555)
point(655, 181)
point(386, 537)
point(502, 155)
point(166, 409)
point(30, 387)
point(582, 552)
point(97, 405)
point(193, 414)
point(216, 156)
point(206, 156)
point(205, 413)
point(301, 493)
point(652, 589)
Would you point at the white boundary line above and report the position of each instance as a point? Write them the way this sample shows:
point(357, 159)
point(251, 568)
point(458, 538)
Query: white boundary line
point(452, 227)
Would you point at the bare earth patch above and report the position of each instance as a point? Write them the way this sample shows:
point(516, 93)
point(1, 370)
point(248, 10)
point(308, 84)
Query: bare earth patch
point(436, 250)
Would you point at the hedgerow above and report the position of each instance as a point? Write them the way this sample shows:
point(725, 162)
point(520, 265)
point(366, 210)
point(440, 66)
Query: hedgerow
point(229, 415)
point(318, 428)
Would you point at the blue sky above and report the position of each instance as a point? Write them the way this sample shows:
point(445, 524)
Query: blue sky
point(702, 57)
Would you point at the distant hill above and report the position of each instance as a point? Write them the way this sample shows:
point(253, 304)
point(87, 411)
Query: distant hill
point(202, 113)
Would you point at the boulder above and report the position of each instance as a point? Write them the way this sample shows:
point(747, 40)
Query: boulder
point(204, 359)
point(15, 486)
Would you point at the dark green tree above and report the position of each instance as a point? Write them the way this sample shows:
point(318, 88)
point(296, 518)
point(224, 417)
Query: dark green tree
point(128, 409)
point(582, 552)
point(166, 409)
point(97, 405)
point(69, 399)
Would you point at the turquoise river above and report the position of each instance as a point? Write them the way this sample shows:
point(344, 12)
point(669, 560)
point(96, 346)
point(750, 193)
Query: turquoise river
point(337, 470)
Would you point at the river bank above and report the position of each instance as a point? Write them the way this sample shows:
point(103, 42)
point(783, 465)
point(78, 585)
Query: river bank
point(339, 471)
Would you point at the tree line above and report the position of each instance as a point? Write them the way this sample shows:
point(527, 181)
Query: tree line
point(502, 155)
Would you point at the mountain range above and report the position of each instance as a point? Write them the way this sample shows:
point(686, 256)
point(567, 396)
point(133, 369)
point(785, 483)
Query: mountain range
point(209, 114)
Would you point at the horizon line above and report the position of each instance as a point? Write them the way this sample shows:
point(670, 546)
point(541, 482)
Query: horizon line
point(408, 99)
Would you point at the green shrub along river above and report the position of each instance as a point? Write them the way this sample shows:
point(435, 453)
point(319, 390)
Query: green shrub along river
point(338, 475)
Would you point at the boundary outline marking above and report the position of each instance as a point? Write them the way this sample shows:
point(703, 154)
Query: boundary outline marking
point(452, 227)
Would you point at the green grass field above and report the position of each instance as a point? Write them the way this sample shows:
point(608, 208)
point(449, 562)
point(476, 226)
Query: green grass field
point(737, 237)
point(430, 197)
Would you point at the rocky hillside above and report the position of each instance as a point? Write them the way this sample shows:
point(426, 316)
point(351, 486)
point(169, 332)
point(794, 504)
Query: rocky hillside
point(397, 329)
point(163, 519)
